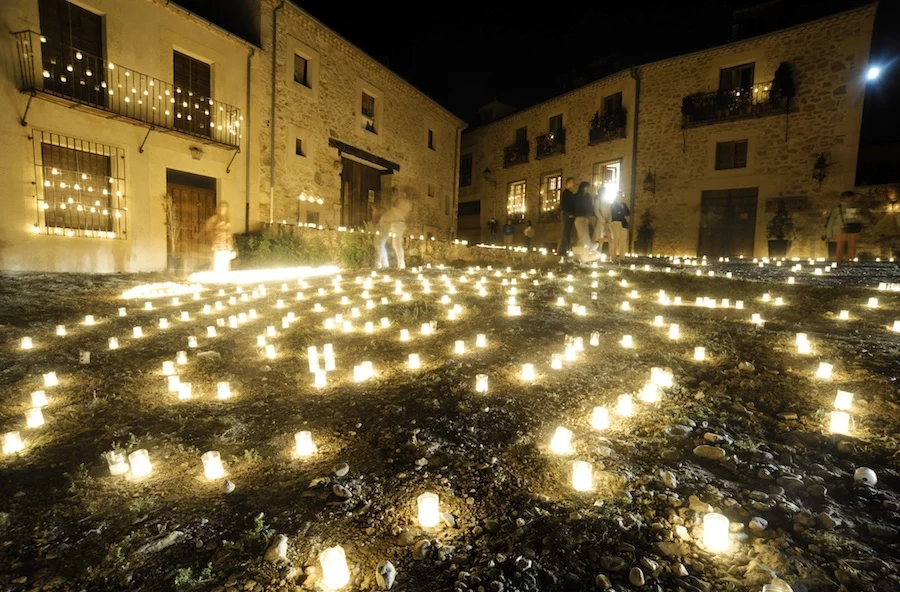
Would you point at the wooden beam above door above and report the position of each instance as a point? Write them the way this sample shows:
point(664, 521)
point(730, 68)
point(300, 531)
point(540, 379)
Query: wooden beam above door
point(348, 150)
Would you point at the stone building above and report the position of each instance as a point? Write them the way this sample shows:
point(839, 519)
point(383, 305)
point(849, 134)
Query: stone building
point(722, 136)
point(347, 132)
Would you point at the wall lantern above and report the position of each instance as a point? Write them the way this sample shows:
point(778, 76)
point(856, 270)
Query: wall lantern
point(650, 183)
point(820, 169)
point(196, 153)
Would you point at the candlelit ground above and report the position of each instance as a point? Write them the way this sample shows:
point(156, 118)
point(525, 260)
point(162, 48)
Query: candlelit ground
point(513, 520)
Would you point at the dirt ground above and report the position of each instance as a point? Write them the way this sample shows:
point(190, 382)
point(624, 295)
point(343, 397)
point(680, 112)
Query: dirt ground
point(512, 519)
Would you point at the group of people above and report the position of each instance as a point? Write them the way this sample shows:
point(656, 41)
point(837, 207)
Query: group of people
point(595, 218)
point(843, 225)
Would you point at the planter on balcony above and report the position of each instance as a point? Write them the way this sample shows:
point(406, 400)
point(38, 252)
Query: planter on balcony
point(550, 144)
point(723, 105)
point(515, 154)
point(606, 127)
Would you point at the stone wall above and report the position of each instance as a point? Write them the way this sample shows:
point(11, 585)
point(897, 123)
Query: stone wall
point(329, 109)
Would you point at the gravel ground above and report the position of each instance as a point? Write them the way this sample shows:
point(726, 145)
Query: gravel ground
point(744, 433)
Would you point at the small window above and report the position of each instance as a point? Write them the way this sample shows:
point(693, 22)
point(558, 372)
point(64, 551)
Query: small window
point(430, 190)
point(470, 208)
point(515, 204)
point(447, 205)
point(736, 77)
point(465, 170)
point(612, 104)
point(431, 139)
point(368, 112)
point(522, 135)
point(312, 218)
point(556, 123)
point(731, 155)
point(298, 147)
point(301, 70)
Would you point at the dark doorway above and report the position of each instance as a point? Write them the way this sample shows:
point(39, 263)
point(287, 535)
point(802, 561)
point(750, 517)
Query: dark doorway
point(469, 221)
point(728, 222)
point(360, 190)
point(190, 201)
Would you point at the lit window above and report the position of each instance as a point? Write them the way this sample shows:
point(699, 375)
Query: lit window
point(606, 178)
point(551, 187)
point(515, 204)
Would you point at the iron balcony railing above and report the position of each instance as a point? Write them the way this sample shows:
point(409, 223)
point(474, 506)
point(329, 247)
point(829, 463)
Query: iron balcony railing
point(606, 127)
point(515, 154)
point(721, 105)
point(53, 68)
point(549, 144)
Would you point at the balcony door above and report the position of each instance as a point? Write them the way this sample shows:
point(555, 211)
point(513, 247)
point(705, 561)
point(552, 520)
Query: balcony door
point(728, 222)
point(72, 55)
point(192, 94)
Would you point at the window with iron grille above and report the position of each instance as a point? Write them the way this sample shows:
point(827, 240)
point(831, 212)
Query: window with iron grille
point(551, 187)
point(192, 94)
point(81, 187)
point(731, 155)
point(515, 204)
point(465, 170)
point(368, 112)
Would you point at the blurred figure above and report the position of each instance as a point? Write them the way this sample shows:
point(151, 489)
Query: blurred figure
point(584, 210)
point(390, 224)
point(844, 223)
point(218, 228)
point(567, 213)
point(618, 225)
point(509, 231)
point(529, 234)
point(492, 230)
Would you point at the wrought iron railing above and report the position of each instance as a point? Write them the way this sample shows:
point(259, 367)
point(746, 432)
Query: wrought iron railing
point(549, 144)
point(708, 107)
point(50, 67)
point(515, 154)
point(606, 127)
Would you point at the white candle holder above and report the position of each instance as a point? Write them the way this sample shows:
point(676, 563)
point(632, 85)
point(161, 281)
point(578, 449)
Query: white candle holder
point(26, 343)
point(824, 371)
point(595, 338)
point(414, 362)
point(185, 391)
point(481, 340)
point(625, 405)
point(39, 399)
point(627, 342)
point(50, 379)
point(658, 321)
point(699, 353)
point(139, 460)
point(137, 332)
point(528, 374)
point(89, 320)
point(600, 418)
point(844, 315)
point(123, 312)
point(61, 330)
point(582, 476)
point(335, 573)
point(223, 390)
point(270, 351)
point(481, 383)
point(840, 422)
point(320, 379)
point(459, 347)
point(715, 532)
point(118, 463)
point(556, 361)
point(212, 465)
point(843, 401)
point(429, 510)
point(650, 393)
point(561, 443)
point(173, 383)
point(163, 323)
point(34, 418)
point(427, 329)
point(303, 444)
point(12, 442)
point(210, 331)
point(168, 368)
point(674, 332)
point(404, 334)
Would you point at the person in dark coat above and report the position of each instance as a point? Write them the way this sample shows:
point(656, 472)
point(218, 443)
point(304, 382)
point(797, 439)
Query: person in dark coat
point(567, 211)
point(584, 210)
point(492, 230)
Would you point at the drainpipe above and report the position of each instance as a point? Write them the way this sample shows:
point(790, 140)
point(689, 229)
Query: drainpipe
point(246, 132)
point(454, 211)
point(275, 12)
point(634, 152)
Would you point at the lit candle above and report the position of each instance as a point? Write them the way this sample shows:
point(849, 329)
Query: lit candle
point(595, 338)
point(824, 370)
point(556, 361)
point(26, 343)
point(89, 320)
point(39, 399)
point(625, 406)
point(843, 401)
point(212, 465)
point(459, 347)
point(804, 347)
point(514, 310)
point(896, 327)
point(140, 463)
point(766, 297)
point(429, 510)
point(172, 383)
point(334, 568)
point(163, 323)
point(304, 444)
point(873, 303)
point(118, 465)
point(715, 532)
point(184, 391)
point(50, 379)
point(840, 422)
point(260, 341)
point(210, 331)
point(739, 305)
point(626, 305)
point(12, 443)
point(480, 340)
point(185, 316)
point(34, 417)
point(427, 329)
point(168, 368)
point(404, 334)
point(674, 331)
point(650, 393)
point(270, 351)
point(528, 372)
point(320, 379)
point(61, 330)
point(582, 476)
point(481, 383)
point(137, 332)
point(844, 315)
point(561, 443)
point(123, 312)
point(414, 362)
point(658, 321)
point(600, 418)
point(627, 342)
point(359, 373)
point(699, 353)
point(223, 390)
point(369, 327)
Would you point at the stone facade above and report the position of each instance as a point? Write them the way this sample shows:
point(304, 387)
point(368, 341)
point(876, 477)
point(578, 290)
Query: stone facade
point(828, 58)
point(327, 109)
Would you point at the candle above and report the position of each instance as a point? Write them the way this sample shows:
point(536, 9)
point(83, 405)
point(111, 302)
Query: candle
point(582, 476)
point(562, 441)
point(118, 465)
point(185, 316)
point(556, 361)
point(334, 568)
point(212, 465)
point(123, 312)
point(168, 368)
point(896, 327)
point(232, 322)
point(626, 305)
point(359, 373)
point(173, 382)
point(804, 347)
point(824, 370)
point(414, 362)
point(766, 297)
point(12, 442)
point(320, 379)
point(26, 343)
point(674, 332)
point(61, 330)
point(260, 341)
point(34, 418)
point(429, 510)
point(600, 418)
point(404, 334)
point(481, 383)
point(210, 331)
point(140, 463)
point(184, 391)
point(801, 337)
point(739, 305)
point(844, 315)
point(137, 332)
point(627, 342)
point(658, 321)
point(427, 329)
point(650, 393)
point(369, 327)
point(715, 532)
point(843, 401)
point(89, 320)
point(270, 351)
point(304, 444)
point(840, 422)
point(873, 303)
point(480, 340)
point(699, 353)
point(514, 310)
point(163, 323)
point(779, 301)
point(756, 319)
point(50, 379)
point(39, 399)
point(223, 390)
point(528, 372)
point(270, 331)
point(595, 338)
point(459, 347)
point(625, 406)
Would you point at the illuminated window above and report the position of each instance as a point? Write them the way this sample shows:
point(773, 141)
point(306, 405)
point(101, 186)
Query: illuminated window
point(81, 187)
point(606, 178)
point(192, 94)
point(515, 205)
point(551, 187)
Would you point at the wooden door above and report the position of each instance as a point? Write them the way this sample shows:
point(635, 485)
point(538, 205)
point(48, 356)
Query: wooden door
point(187, 239)
point(728, 223)
point(357, 181)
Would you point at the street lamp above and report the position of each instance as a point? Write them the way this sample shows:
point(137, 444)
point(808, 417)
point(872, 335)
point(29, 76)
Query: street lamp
point(873, 73)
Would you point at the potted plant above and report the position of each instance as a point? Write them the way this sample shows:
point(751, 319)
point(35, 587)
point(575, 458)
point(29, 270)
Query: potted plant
point(643, 243)
point(779, 230)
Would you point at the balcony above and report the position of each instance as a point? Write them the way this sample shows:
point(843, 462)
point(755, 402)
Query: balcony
point(727, 105)
point(515, 154)
point(607, 127)
point(550, 144)
point(67, 74)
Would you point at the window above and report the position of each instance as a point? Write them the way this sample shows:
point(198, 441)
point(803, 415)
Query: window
point(81, 187)
point(515, 204)
point(731, 155)
point(606, 178)
point(612, 104)
point(556, 123)
point(470, 208)
point(301, 70)
point(74, 39)
point(431, 139)
point(447, 205)
point(551, 188)
point(312, 218)
point(465, 170)
point(430, 190)
point(192, 94)
point(298, 147)
point(522, 135)
point(368, 112)
point(736, 77)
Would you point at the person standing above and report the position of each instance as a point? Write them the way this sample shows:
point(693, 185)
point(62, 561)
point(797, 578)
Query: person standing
point(567, 212)
point(584, 209)
point(509, 231)
point(218, 226)
point(492, 231)
point(529, 234)
point(618, 226)
point(845, 223)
